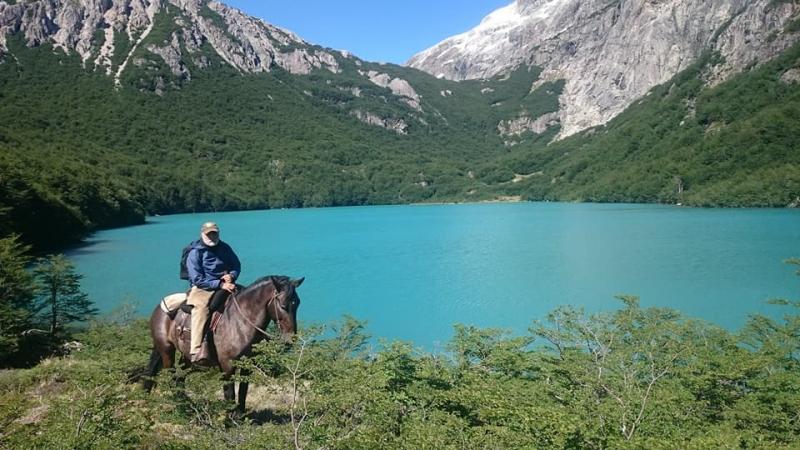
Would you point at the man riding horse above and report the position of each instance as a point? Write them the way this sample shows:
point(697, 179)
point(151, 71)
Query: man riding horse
point(213, 269)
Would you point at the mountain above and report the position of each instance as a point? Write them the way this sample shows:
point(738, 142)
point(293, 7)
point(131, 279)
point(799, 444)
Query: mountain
point(733, 144)
point(610, 53)
point(106, 34)
point(111, 110)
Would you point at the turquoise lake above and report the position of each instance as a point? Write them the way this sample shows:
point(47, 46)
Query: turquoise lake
point(413, 271)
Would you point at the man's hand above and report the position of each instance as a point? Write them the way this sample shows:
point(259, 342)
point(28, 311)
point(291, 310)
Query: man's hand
point(230, 287)
point(227, 278)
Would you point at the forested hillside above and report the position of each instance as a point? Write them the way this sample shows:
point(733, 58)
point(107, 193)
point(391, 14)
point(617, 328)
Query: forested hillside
point(76, 148)
point(736, 144)
point(79, 151)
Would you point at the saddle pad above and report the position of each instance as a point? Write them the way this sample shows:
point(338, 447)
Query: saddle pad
point(184, 324)
point(172, 302)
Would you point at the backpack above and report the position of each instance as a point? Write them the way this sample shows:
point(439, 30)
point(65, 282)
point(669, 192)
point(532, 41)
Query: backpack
point(184, 272)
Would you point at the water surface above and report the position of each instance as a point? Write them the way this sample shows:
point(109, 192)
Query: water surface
point(414, 271)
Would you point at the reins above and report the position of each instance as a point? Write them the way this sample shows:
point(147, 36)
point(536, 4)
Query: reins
point(246, 318)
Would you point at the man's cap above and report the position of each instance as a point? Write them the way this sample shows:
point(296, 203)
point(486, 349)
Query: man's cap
point(209, 227)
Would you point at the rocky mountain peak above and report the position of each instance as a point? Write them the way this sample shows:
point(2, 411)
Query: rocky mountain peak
point(612, 52)
point(107, 33)
point(186, 36)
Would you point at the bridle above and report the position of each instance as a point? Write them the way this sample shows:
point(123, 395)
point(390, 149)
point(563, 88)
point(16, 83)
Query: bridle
point(273, 299)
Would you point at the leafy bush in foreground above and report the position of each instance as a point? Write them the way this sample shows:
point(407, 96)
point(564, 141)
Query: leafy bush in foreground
point(633, 378)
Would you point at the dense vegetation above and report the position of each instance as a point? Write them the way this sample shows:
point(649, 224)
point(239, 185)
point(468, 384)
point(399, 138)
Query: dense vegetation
point(634, 378)
point(77, 151)
point(736, 144)
point(40, 301)
point(89, 156)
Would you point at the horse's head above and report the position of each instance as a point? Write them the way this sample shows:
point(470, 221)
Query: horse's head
point(282, 308)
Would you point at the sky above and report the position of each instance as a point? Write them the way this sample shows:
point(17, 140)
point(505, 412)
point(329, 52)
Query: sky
point(374, 30)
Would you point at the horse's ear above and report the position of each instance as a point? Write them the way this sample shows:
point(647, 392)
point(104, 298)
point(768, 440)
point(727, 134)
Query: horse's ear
point(296, 283)
point(276, 284)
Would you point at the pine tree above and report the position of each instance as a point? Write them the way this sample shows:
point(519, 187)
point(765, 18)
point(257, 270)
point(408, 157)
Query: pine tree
point(60, 300)
point(16, 294)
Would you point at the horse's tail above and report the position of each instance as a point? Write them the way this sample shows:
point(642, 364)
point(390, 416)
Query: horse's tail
point(153, 367)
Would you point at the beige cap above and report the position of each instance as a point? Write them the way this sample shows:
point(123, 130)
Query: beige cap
point(209, 227)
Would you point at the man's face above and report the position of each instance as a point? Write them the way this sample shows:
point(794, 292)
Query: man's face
point(213, 236)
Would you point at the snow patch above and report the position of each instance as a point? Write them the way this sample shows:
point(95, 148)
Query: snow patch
point(494, 33)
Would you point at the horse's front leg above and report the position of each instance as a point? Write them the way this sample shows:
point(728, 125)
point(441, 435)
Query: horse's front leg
point(227, 372)
point(229, 391)
point(243, 386)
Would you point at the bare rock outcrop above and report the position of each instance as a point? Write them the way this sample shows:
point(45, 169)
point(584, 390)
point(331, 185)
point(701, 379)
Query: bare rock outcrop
point(791, 76)
point(398, 86)
point(399, 126)
point(524, 123)
point(246, 43)
point(613, 52)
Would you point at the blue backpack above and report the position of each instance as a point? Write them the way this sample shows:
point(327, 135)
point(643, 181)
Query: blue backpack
point(184, 272)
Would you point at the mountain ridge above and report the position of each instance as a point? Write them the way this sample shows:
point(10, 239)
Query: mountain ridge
point(610, 53)
point(184, 128)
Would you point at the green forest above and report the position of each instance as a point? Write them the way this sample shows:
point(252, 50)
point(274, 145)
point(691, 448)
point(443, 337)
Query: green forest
point(77, 150)
point(734, 145)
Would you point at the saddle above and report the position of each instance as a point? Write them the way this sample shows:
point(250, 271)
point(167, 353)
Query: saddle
point(177, 309)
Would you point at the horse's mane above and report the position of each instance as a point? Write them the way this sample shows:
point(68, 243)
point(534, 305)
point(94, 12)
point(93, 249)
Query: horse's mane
point(280, 281)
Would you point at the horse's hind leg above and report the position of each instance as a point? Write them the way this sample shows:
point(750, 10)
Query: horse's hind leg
point(163, 358)
point(229, 391)
point(168, 357)
point(163, 355)
point(153, 367)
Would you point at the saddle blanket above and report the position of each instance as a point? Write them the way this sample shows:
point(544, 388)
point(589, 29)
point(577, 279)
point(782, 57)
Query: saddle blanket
point(172, 302)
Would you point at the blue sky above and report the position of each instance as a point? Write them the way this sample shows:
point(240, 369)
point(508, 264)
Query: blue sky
point(374, 30)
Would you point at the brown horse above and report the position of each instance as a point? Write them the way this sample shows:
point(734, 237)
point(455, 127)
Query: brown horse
point(241, 325)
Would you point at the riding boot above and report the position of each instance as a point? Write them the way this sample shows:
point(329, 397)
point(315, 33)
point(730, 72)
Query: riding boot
point(204, 354)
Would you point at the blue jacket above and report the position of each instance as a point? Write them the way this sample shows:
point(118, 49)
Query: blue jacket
point(206, 265)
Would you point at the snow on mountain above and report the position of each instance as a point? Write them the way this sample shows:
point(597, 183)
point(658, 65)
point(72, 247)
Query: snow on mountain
point(612, 52)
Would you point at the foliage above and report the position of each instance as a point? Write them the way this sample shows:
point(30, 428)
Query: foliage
point(88, 155)
point(46, 295)
point(16, 296)
point(734, 144)
point(232, 141)
point(60, 300)
point(634, 378)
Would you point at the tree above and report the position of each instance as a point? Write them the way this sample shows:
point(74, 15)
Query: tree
point(60, 300)
point(16, 294)
point(774, 388)
point(624, 369)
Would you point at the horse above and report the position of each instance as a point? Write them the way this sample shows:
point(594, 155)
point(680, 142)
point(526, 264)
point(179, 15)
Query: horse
point(241, 325)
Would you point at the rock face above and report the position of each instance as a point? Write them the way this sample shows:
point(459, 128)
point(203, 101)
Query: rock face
point(399, 126)
point(398, 86)
point(516, 127)
point(791, 76)
point(115, 35)
point(247, 44)
point(611, 52)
